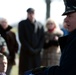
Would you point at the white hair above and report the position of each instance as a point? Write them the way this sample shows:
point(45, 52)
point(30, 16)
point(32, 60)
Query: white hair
point(51, 20)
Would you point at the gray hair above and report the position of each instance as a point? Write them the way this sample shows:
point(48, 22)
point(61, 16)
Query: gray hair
point(2, 56)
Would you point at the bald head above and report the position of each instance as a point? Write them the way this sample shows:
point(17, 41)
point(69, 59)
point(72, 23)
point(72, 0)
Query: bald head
point(3, 23)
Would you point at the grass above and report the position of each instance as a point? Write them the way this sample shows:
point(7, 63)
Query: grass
point(15, 68)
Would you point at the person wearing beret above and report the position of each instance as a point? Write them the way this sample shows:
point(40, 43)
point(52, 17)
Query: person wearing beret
point(67, 43)
point(31, 36)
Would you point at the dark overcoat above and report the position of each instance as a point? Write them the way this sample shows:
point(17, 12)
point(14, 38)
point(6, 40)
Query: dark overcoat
point(31, 36)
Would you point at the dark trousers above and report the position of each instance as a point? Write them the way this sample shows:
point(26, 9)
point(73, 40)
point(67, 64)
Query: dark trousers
point(29, 62)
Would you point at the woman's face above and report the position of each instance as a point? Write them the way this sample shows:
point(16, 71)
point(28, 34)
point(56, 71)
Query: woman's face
point(50, 25)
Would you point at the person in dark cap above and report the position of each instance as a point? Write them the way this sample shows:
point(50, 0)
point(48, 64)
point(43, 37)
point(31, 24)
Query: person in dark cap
point(31, 36)
point(67, 43)
point(70, 6)
point(30, 10)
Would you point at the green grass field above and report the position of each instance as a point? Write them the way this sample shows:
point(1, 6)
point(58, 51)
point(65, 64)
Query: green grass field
point(14, 70)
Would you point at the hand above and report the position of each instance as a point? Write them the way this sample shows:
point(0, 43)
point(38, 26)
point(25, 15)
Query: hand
point(39, 70)
point(56, 38)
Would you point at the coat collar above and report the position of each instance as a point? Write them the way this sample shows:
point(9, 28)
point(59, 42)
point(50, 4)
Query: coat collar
point(8, 28)
point(5, 30)
point(30, 21)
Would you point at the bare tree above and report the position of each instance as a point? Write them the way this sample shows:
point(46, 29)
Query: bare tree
point(48, 2)
point(48, 7)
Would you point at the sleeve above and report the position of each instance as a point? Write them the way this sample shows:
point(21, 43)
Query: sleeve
point(15, 44)
point(42, 71)
point(23, 40)
point(41, 41)
point(46, 45)
point(53, 43)
point(50, 42)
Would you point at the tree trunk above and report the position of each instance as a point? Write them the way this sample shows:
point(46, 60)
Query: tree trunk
point(48, 8)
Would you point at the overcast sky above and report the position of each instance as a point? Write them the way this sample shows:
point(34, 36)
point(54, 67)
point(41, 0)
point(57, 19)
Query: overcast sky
point(15, 10)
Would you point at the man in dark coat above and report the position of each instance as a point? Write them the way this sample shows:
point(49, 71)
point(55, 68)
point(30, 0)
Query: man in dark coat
point(68, 46)
point(31, 36)
point(12, 45)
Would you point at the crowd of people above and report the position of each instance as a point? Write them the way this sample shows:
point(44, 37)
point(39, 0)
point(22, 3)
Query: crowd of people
point(9, 45)
point(34, 40)
point(41, 45)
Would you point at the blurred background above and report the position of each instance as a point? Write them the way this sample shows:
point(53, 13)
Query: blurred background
point(15, 11)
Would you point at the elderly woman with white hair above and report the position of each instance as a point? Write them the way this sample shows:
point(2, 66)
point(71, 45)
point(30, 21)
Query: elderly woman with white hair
point(51, 52)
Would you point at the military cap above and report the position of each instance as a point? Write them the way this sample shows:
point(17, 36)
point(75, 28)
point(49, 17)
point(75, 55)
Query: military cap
point(70, 6)
point(30, 10)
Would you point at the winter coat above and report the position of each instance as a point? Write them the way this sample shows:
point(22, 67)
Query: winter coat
point(51, 53)
point(31, 36)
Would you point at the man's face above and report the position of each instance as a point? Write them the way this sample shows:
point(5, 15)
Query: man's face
point(3, 64)
point(4, 24)
point(31, 16)
point(71, 21)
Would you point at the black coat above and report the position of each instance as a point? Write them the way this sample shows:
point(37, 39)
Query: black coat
point(31, 36)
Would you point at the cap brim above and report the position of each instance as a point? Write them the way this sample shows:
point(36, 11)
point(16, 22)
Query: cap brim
point(65, 13)
point(68, 12)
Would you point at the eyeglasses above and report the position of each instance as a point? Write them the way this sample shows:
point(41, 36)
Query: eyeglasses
point(50, 23)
